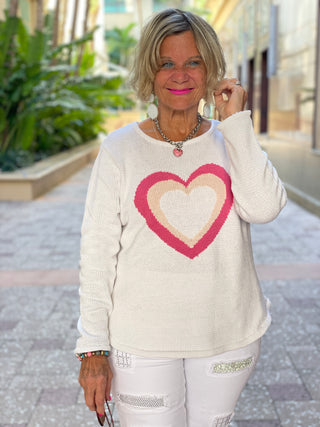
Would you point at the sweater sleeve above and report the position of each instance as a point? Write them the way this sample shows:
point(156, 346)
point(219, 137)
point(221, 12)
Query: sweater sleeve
point(100, 243)
point(258, 192)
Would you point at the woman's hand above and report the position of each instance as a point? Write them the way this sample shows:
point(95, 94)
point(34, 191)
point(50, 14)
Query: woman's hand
point(95, 379)
point(236, 98)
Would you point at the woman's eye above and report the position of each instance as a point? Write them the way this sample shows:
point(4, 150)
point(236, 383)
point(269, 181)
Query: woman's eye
point(194, 63)
point(167, 65)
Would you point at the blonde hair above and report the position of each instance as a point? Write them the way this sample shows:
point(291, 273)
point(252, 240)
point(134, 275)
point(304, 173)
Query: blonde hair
point(165, 23)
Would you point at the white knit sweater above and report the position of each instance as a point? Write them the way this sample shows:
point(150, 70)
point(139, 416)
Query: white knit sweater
point(166, 260)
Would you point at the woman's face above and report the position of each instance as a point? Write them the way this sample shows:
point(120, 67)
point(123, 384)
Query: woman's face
point(180, 82)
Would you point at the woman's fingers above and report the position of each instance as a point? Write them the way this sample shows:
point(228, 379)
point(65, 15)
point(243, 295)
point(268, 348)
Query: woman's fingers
point(94, 394)
point(100, 396)
point(108, 385)
point(95, 375)
point(89, 388)
point(226, 84)
point(234, 100)
point(89, 396)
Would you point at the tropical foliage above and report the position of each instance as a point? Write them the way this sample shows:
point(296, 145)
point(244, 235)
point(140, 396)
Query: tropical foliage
point(120, 44)
point(46, 104)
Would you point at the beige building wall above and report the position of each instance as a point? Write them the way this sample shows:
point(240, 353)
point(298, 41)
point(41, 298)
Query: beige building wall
point(295, 75)
point(316, 124)
point(271, 45)
point(136, 11)
point(139, 11)
point(245, 36)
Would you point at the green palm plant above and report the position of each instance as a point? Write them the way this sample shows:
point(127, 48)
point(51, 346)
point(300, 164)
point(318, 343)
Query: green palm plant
point(120, 43)
point(45, 106)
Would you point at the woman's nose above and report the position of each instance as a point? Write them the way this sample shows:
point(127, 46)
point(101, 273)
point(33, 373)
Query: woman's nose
point(180, 76)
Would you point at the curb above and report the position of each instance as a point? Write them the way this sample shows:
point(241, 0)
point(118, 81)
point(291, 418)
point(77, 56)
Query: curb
point(33, 181)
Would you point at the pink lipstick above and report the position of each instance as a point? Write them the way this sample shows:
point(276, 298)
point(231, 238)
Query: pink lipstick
point(180, 91)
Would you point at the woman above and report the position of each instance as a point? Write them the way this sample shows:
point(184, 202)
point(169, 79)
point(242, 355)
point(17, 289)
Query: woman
point(168, 286)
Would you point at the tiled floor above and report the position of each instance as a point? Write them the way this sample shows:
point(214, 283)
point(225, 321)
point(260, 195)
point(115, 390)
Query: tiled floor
point(39, 252)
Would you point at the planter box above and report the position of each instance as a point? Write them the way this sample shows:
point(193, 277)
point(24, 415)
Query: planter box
point(33, 181)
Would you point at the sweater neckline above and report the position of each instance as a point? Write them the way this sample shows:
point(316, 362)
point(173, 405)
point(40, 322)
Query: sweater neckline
point(166, 144)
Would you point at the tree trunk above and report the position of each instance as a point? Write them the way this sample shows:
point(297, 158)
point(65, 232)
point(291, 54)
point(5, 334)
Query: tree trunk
point(56, 25)
point(74, 22)
point(85, 29)
point(39, 24)
point(13, 10)
point(86, 17)
point(140, 13)
point(64, 17)
point(13, 7)
point(73, 29)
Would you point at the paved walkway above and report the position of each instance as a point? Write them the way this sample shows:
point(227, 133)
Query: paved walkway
point(39, 251)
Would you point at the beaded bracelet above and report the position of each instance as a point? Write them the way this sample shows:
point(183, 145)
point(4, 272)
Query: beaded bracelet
point(81, 356)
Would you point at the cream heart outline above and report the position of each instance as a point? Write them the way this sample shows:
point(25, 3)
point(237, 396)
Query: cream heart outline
point(159, 189)
point(185, 211)
point(209, 174)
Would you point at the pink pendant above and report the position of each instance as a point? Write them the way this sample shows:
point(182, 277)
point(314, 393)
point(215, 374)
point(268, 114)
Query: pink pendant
point(177, 152)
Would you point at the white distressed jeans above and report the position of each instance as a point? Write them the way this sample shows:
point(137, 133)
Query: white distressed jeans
point(191, 392)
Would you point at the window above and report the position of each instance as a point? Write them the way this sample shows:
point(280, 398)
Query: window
point(163, 4)
point(115, 6)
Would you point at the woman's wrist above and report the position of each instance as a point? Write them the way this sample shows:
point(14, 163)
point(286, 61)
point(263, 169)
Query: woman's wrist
point(82, 356)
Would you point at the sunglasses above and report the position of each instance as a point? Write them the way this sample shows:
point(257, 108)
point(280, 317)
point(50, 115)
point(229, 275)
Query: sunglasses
point(104, 417)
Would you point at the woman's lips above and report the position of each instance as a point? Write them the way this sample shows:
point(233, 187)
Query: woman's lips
point(180, 91)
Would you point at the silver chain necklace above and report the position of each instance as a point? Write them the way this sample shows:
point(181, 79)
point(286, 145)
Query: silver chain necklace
point(177, 151)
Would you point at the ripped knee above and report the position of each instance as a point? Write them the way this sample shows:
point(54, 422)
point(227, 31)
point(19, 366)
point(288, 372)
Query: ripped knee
point(222, 421)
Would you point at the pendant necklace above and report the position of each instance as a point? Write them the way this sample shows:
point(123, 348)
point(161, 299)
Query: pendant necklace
point(177, 151)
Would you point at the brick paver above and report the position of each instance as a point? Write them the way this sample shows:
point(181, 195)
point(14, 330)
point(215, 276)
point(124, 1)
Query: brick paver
point(39, 254)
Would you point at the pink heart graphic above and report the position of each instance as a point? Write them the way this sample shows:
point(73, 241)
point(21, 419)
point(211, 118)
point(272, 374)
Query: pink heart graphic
point(154, 190)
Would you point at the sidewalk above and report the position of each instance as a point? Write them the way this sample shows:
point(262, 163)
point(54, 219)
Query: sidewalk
point(39, 252)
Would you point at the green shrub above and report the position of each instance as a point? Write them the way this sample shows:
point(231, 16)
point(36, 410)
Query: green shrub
point(47, 105)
